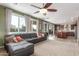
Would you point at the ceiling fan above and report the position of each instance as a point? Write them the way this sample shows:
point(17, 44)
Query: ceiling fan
point(44, 9)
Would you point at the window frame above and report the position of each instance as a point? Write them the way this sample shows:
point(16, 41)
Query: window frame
point(19, 16)
point(32, 20)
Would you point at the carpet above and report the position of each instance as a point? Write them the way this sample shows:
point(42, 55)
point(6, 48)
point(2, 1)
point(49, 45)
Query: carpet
point(56, 48)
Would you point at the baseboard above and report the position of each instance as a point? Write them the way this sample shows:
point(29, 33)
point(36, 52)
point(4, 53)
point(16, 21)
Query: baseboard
point(1, 46)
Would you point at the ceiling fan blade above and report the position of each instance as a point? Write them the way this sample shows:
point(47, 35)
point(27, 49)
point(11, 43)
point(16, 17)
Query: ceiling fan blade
point(43, 5)
point(36, 6)
point(52, 10)
point(36, 12)
point(47, 5)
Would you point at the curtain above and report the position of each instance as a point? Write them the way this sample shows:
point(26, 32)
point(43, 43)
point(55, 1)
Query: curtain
point(8, 20)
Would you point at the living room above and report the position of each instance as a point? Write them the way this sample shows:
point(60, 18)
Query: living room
point(37, 28)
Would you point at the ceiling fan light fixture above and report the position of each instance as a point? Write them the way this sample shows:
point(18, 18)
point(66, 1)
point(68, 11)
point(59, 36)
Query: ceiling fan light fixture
point(43, 11)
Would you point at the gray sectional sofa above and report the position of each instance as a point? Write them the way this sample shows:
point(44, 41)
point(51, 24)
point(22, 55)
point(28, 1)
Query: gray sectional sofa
point(26, 48)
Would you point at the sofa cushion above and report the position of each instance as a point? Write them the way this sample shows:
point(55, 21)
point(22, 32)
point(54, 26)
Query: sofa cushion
point(30, 39)
point(20, 45)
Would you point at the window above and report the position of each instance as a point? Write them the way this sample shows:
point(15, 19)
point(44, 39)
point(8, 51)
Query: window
point(34, 25)
point(45, 27)
point(17, 23)
point(22, 25)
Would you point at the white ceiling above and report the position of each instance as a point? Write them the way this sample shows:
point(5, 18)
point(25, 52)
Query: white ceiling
point(65, 14)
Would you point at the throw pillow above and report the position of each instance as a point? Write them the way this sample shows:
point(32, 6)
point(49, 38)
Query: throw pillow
point(42, 34)
point(15, 40)
point(38, 35)
point(9, 39)
point(18, 38)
